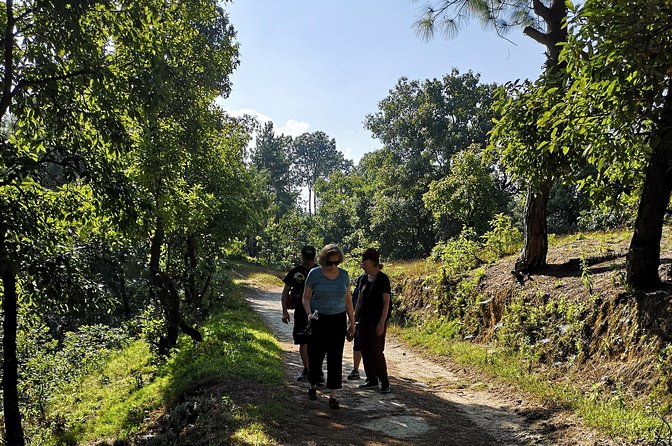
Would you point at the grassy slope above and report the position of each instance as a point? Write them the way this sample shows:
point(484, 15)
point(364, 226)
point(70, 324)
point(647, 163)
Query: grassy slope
point(615, 382)
point(206, 391)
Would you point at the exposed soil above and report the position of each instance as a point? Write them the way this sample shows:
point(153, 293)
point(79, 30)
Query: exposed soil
point(433, 402)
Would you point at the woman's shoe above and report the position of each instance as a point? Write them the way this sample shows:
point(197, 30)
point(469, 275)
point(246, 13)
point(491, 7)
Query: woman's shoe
point(312, 394)
point(354, 374)
point(368, 384)
point(333, 403)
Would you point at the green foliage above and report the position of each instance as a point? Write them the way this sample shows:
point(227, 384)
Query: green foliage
point(503, 239)
point(281, 242)
point(469, 194)
point(460, 255)
point(49, 366)
point(424, 123)
point(237, 349)
point(272, 156)
point(549, 329)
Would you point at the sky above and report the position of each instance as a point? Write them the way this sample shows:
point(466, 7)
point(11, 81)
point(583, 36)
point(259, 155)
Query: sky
point(312, 65)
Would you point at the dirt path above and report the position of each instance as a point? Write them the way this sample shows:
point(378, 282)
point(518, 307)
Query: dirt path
point(430, 403)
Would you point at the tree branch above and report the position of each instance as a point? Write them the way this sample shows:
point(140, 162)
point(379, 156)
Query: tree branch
point(46, 80)
point(542, 10)
point(537, 35)
point(6, 98)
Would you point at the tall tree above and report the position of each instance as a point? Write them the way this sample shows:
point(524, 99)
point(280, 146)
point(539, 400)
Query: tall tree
point(272, 155)
point(621, 102)
point(315, 156)
point(174, 126)
point(59, 134)
point(81, 86)
point(543, 21)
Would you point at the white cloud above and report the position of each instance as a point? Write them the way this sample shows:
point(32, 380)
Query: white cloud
point(292, 127)
point(251, 112)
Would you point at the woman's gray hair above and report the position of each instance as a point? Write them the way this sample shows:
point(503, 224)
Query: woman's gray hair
point(328, 251)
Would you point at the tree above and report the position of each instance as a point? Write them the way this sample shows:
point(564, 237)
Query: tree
point(175, 134)
point(426, 122)
point(316, 156)
point(272, 156)
point(59, 142)
point(422, 124)
point(82, 86)
point(544, 22)
point(621, 102)
point(469, 194)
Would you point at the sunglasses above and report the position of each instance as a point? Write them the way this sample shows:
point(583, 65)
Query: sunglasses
point(333, 262)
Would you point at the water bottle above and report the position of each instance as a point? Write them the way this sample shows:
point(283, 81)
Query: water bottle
point(315, 316)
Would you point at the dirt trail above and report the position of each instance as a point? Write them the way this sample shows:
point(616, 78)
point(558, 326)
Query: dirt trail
point(430, 403)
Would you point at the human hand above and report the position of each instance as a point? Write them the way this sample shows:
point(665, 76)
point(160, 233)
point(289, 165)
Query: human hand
point(285, 317)
point(351, 332)
point(380, 329)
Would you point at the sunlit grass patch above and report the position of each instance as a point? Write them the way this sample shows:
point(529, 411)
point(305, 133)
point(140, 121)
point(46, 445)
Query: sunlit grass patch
point(255, 274)
point(237, 357)
point(411, 267)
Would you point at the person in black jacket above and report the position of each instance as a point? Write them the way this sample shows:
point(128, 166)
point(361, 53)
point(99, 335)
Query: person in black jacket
point(372, 313)
point(292, 298)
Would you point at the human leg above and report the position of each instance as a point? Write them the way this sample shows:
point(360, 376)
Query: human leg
point(300, 322)
point(356, 358)
point(335, 344)
point(366, 335)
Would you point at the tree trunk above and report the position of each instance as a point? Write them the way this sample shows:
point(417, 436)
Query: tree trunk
point(643, 257)
point(191, 263)
point(533, 255)
point(10, 365)
point(252, 248)
point(124, 293)
point(159, 290)
point(167, 294)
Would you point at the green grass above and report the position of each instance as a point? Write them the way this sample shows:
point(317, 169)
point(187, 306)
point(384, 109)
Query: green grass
point(611, 414)
point(237, 352)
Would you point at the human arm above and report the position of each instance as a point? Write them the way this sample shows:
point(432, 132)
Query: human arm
point(283, 299)
point(350, 311)
point(380, 327)
point(307, 296)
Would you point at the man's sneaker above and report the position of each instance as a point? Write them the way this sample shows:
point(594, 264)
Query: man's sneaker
point(303, 376)
point(354, 374)
point(312, 394)
point(385, 387)
point(368, 384)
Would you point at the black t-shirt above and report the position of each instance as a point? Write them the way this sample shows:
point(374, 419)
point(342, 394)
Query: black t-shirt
point(296, 279)
point(371, 295)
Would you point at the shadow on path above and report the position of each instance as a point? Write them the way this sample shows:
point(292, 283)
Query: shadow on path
point(427, 405)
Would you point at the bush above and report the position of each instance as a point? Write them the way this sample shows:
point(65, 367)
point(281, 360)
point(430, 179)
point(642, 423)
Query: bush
point(503, 239)
point(460, 254)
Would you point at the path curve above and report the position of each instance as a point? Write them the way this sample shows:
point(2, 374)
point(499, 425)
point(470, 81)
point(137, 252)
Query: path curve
point(430, 404)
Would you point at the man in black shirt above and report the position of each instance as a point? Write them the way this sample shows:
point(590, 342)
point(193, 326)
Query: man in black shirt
point(292, 295)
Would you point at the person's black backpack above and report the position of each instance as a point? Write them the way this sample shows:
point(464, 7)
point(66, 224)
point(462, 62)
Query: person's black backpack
point(295, 297)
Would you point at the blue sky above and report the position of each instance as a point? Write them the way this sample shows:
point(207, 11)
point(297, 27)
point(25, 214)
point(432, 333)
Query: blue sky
point(313, 65)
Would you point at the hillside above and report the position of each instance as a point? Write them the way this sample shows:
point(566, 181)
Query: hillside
point(576, 335)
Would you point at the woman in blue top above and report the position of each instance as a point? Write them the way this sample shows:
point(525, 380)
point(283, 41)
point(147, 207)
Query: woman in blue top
point(327, 290)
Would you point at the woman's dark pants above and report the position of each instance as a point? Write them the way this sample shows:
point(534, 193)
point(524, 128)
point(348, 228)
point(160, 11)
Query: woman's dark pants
point(328, 339)
point(373, 357)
